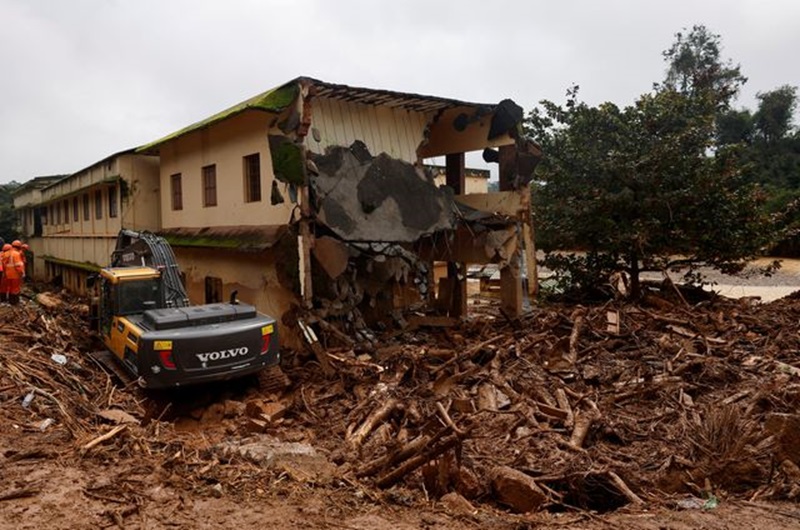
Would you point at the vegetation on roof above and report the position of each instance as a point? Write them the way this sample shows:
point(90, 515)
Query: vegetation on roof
point(274, 100)
point(239, 239)
point(82, 265)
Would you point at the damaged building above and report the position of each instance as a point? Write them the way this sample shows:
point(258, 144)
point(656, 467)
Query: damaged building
point(313, 199)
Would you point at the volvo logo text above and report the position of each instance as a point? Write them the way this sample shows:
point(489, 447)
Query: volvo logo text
point(224, 354)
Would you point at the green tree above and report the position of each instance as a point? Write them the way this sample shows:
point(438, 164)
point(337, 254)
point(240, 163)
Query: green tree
point(7, 216)
point(735, 127)
point(695, 68)
point(634, 187)
point(773, 120)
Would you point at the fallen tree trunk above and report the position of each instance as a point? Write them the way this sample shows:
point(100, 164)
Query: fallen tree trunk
point(377, 416)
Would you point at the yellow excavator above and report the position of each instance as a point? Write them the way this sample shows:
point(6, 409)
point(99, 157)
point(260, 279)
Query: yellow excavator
point(152, 332)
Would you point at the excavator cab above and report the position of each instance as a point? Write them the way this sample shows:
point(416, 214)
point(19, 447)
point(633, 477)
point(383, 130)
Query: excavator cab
point(128, 291)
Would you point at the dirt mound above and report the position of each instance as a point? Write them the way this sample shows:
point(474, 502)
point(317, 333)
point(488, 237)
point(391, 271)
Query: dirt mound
point(571, 408)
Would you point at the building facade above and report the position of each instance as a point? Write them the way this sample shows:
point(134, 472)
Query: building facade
point(311, 197)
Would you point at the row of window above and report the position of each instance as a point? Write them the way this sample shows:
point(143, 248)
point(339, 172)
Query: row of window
point(52, 214)
point(251, 165)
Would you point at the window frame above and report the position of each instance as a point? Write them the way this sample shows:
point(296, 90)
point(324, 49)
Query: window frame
point(176, 191)
point(252, 177)
point(209, 173)
point(87, 209)
point(113, 203)
point(98, 204)
point(75, 212)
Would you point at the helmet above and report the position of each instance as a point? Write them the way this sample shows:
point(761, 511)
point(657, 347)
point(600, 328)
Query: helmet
point(6, 247)
point(17, 243)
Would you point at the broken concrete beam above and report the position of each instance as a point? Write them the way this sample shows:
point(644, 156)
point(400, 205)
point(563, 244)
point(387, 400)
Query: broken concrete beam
point(516, 490)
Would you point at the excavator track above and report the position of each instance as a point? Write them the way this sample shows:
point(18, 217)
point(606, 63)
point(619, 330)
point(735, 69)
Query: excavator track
point(109, 364)
point(273, 380)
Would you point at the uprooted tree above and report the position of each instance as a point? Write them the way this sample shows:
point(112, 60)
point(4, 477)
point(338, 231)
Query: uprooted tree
point(646, 187)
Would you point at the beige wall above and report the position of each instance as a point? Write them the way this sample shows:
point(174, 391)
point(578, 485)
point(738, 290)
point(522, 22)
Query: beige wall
point(396, 132)
point(89, 239)
point(138, 211)
point(473, 184)
point(223, 144)
point(254, 275)
point(141, 210)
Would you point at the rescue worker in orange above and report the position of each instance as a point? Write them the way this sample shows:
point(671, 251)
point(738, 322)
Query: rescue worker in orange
point(14, 271)
point(3, 281)
point(23, 254)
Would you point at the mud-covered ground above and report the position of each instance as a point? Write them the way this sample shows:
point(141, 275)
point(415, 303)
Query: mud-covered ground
point(685, 416)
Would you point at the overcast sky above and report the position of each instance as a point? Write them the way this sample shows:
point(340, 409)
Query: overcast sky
point(82, 79)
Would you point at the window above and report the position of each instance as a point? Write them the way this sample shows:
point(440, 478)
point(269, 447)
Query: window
point(252, 178)
point(98, 204)
point(213, 290)
point(210, 185)
point(44, 216)
point(176, 191)
point(112, 202)
point(85, 206)
point(58, 213)
point(52, 214)
point(75, 209)
point(66, 211)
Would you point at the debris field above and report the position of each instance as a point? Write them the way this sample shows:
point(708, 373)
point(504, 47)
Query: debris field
point(570, 414)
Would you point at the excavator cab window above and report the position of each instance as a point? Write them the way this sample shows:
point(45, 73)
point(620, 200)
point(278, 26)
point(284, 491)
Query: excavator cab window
point(137, 296)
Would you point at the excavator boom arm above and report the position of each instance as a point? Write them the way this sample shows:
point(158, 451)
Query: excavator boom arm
point(147, 249)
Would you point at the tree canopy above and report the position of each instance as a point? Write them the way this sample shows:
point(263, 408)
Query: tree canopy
point(7, 216)
point(645, 186)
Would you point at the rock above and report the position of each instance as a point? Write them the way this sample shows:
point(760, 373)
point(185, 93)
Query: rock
point(269, 411)
point(117, 416)
point(516, 490)
point(487, 397)
point(48, 300)
point(233, 409)
point(467, 483)
point(457, 505)
point(213, 414)
point(255, 425)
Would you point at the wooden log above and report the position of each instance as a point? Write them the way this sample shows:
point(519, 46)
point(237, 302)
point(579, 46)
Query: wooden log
point(19, 493)
point(377, 416)
point(411, 448)
point(578, 318)
point(107, 436)
point(316, 348)
point(583, 422)
point(467, 353)
point(624, 489)
point(563, 403)
point(417, 461)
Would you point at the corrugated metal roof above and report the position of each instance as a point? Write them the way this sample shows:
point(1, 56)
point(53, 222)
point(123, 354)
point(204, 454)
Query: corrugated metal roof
point(387, 98)
point(277, 99)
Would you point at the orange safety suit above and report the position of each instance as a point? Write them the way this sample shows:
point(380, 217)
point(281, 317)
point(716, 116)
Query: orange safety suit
point(14, 271)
